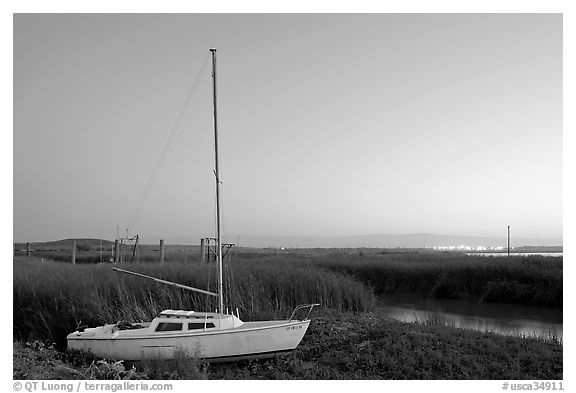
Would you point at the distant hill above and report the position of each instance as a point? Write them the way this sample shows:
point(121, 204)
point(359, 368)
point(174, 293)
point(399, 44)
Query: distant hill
point(66, 244)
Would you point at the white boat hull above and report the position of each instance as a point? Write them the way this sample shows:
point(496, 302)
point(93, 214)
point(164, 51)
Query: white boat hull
point(250, 339)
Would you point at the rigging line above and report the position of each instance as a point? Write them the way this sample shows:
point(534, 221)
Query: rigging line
point(160, 160)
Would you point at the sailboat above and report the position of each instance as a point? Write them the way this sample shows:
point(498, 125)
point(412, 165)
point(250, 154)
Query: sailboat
point(215, 336)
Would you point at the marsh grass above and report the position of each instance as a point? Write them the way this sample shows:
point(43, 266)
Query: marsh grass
point(51, 299)
point(110, 370)
point(182, 366)
point(57, 297)
point(528, 280)
point(551, 336)
point(435, 318)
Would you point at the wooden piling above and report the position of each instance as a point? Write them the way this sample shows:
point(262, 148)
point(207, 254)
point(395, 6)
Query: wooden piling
point(203, 250)
point(116, 251)
point(73, 252)
point(161, 251)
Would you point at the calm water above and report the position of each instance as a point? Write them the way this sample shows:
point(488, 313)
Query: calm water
point(499, 254)
point(498, 318)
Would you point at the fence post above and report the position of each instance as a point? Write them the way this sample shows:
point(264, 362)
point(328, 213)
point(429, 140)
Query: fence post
point(116, 251)
point(161, 251)
point(73, 252)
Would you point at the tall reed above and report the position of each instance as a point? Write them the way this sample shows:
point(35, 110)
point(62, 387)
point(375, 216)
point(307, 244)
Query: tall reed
point(529, 280)
point(51, 299)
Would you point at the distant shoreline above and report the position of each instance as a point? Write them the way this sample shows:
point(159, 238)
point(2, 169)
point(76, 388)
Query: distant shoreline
point(437, 248)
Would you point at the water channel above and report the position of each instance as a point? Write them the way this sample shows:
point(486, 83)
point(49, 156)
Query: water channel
point(499, 318)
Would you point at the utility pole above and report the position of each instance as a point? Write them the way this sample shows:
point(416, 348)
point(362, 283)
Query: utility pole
point(508, 240)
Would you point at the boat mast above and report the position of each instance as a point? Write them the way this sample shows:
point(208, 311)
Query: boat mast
point(217, 174)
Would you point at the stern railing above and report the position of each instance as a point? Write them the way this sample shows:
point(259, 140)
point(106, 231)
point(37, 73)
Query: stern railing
point(303, 306)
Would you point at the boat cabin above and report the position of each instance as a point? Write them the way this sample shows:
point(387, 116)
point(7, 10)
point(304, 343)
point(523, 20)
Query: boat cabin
point(182, 321)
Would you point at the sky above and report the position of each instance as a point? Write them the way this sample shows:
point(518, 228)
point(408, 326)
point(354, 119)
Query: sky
point(329, 124)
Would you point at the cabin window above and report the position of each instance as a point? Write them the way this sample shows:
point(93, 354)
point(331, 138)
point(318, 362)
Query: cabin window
point(168, 327)
point(197, 325)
